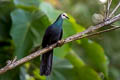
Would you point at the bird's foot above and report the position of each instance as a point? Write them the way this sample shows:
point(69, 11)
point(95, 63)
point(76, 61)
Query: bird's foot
point(60, 43)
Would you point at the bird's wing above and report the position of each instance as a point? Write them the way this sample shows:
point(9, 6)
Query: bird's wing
point(50, 37)
point(61, 34)
point(46, 38)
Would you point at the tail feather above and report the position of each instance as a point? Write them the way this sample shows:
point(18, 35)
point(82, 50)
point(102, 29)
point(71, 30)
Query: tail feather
point(46, 63)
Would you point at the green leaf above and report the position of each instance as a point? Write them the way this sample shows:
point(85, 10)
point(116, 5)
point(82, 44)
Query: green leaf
point(49, 11)
point(62, 51)
point(76, 27)
point(74, 59)
point(87, 73)
point(27, 5)
point(56, 75)
point(5, 21)
point(62, 70)
point(95, 56)
point(114, 73)
point(27, 29)
point(10, 75)
point(83, 71)
point(37, 76)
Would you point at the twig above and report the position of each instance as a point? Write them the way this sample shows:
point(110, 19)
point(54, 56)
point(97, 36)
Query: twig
point(108, 9)
point(112, 13)
point(103, 31)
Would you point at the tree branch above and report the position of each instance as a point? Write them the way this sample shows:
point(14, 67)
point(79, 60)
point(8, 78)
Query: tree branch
point(92, 28)
point(12, 64)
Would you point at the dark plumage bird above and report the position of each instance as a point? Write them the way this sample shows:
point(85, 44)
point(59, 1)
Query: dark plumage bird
point(52, 35)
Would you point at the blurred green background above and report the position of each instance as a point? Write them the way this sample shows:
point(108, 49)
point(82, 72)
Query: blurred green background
point(23, 23)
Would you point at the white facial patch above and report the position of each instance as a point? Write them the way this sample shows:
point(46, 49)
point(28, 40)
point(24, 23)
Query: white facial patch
point(64, 15)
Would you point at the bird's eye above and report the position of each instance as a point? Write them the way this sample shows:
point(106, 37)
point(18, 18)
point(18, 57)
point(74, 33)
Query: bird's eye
point(63, 15)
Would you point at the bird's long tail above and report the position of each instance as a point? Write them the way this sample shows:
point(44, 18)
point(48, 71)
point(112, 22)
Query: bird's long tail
point(46, 63)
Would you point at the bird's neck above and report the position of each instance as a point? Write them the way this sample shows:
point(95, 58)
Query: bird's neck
point(59, 22)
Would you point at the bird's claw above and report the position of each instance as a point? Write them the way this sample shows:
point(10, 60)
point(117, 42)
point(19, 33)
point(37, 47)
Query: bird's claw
point(60, 43)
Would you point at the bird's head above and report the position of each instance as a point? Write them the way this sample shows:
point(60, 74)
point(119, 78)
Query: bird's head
point(64, 16)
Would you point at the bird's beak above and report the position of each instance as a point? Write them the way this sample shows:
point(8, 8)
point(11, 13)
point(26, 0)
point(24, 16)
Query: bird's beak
point(67, 17)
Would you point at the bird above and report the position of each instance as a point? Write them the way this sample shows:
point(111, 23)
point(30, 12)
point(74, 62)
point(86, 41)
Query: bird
point(52, 34)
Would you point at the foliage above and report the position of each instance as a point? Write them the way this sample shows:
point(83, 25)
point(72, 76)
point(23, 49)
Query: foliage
point(23, 24)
